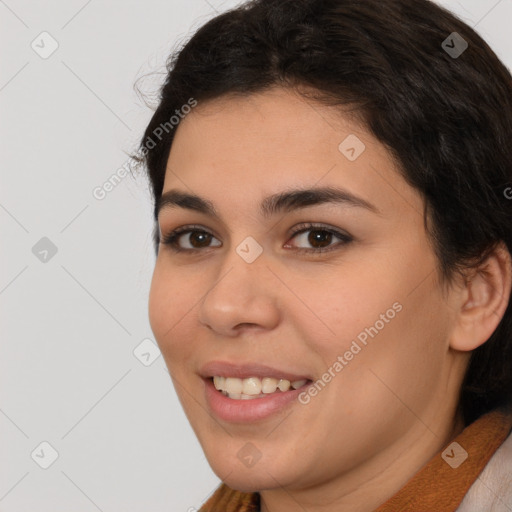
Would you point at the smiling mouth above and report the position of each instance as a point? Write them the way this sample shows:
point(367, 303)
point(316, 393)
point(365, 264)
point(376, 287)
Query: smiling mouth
point(254, 387)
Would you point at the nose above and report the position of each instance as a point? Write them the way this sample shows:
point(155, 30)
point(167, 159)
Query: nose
point(242, 297)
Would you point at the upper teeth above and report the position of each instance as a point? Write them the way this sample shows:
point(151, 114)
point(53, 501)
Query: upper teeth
point(254, 385)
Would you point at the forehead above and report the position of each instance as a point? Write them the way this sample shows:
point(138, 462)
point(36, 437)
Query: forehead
point(243, 146)
point(277, 124)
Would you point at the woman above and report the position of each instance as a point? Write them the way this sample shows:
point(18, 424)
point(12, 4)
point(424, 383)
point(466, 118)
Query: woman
point(331, 295)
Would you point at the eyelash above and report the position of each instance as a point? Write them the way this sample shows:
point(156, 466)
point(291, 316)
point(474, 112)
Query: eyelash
point(172, 238)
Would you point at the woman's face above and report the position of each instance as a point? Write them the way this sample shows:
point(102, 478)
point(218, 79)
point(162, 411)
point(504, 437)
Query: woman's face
point(359, 314)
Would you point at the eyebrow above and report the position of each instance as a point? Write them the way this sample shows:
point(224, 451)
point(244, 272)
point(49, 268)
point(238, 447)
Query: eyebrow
point(282, 202)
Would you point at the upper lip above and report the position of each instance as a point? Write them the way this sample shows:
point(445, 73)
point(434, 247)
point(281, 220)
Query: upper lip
point(246, 370)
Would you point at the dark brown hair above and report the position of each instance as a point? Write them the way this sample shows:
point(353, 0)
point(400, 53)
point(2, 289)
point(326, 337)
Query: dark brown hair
point(445, 118)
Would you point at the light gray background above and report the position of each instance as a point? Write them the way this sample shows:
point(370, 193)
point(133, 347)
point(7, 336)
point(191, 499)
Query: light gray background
point(70, 325)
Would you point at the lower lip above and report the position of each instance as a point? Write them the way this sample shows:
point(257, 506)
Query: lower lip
point(245, 411)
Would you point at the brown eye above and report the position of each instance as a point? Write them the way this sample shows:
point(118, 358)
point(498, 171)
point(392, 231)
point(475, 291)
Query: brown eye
point(319, 238)
point(197, 239)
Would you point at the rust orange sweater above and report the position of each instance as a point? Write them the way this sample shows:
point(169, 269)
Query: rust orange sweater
point(439, 486)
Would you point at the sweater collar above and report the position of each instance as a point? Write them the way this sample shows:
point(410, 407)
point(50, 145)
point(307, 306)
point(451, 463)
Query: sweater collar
point(444, 481)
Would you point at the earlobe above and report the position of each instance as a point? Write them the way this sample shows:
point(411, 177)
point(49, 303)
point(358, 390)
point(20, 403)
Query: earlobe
point(484, 300)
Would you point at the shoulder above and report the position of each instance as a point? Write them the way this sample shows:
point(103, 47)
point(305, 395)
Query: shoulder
point(492, 490)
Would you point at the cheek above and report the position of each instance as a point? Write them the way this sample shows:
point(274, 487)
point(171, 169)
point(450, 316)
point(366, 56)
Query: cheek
point(402, 360)
point(171, 302)
point(160, 308)
point(347, 303)
point(373, 320)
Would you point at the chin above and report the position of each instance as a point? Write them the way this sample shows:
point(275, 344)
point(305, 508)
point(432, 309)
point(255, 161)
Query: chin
point(256, 476)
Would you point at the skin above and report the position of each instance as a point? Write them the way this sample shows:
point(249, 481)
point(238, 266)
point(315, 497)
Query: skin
point(393, 406)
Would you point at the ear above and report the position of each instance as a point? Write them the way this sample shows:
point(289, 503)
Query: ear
point(483, 301)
